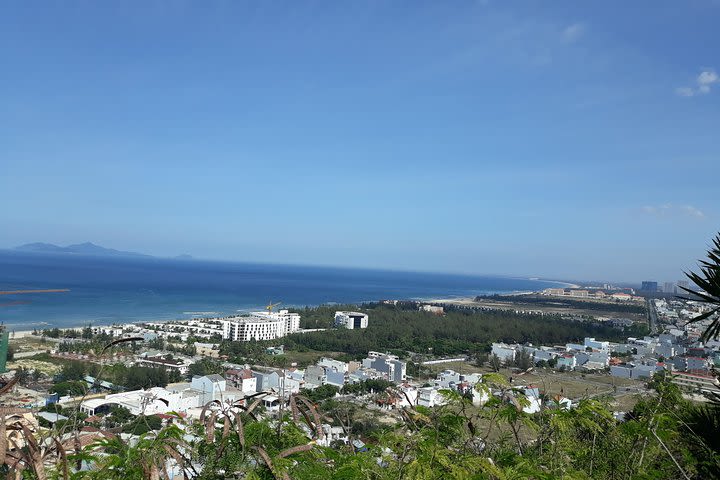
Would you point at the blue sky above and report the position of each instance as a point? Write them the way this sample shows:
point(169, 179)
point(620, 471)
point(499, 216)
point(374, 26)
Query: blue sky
point(571, 140)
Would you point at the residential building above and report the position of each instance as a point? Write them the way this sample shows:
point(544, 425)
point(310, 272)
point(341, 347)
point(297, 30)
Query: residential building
point(566, 360)
point(178, 397)
point(167, 362)
point(697, 365)
point(315, 376)
point(243, 380)
point(505, 352)
point(389, 365)
point(333, 365)
point(595, 345)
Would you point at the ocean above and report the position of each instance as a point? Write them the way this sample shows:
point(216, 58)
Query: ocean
point(107, 290)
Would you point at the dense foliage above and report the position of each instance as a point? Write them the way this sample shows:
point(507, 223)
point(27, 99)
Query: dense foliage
point(403, 327)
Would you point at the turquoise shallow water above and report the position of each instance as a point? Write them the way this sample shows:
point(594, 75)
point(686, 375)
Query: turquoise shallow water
point(107, 290)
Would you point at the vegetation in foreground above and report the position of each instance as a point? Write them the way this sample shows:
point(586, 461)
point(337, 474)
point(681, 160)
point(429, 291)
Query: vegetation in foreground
point(663, 437)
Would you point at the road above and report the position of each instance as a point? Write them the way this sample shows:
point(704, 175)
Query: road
point(652, 316)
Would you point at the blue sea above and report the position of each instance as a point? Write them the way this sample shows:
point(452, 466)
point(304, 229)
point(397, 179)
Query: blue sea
point(106, 290)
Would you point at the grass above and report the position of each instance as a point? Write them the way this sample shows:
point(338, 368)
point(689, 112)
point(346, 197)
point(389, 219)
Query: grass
point(47, 368)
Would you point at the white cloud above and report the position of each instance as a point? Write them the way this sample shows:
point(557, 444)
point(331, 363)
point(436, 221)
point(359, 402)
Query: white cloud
point(573, 32)
point(670, 210)
point(692, 211)
point(707, 77)
point(703, 81)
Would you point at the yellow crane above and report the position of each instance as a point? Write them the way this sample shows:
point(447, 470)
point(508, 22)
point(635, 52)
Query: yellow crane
point(271, 305)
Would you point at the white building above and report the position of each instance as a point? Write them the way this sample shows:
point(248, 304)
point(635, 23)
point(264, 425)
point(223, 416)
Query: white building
point(437, 310)
point(179, 397)
point(334, 365)
point(389, 365)
point(596, 345)
point(242, 379)
point(181, 365)
point(505, 352)
point(260, 326)
point(351, 320)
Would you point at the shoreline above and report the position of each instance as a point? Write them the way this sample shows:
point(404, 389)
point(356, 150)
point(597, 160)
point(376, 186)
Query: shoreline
point(460, 300)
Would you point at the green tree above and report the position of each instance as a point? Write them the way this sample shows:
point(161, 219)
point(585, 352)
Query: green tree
point(206, 366)
point(73, 370)
point(708, 281)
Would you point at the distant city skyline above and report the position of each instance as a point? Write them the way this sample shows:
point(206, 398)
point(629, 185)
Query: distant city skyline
point(559, 140)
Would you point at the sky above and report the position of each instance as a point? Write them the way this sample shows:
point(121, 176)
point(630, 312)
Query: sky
point(571, 140)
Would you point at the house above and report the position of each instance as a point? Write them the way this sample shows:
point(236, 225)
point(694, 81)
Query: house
point(644, 371)
point(334, 365)
point(697, 365)
point(447, 379)
point(389, 365)
point(429, 397)
point(243, 380)
point(334, 378)
point(622, 371)
point(567, 361)
point(177, 397)
point(505, 352)
point(594, 344)
point(580, 347)
point(271, 403)
point(315, 376)
point(168, 362)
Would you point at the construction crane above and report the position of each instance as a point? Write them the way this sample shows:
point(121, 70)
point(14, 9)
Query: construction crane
point(271, 305)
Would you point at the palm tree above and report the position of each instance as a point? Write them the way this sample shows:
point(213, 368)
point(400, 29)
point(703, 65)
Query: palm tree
point(708, 280)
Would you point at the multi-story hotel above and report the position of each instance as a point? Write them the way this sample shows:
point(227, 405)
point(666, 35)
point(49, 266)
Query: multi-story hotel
point(261, 326)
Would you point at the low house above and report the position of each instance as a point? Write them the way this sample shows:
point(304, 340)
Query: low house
point(566, 361)
point(505, 352)
point(243, 380)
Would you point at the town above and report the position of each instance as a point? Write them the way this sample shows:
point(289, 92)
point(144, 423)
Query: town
point(159, 370)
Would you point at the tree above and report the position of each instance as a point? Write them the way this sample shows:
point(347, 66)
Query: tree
point(118, 416)
point(708, 281)
point(73, 388)
point(73, 371)
point(321, 393)
point(523, 360)
point(87, 332)
point(174, 376)
point(480, 359)
point(206, 366)
point(143, 424)
point(495, 362)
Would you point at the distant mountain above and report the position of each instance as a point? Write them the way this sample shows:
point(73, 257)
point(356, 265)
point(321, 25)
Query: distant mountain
point(86, 248)
point(184, 256)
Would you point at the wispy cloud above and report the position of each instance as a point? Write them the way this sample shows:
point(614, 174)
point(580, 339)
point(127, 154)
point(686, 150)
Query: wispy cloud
point(703, 84)
point(670, 210)
point(573, 32)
